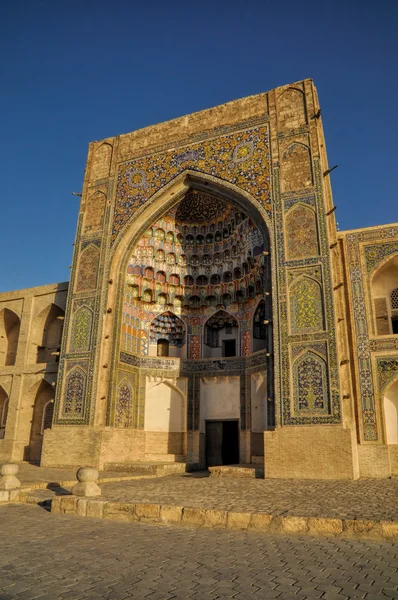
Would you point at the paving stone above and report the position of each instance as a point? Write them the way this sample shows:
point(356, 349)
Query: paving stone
point(71, 558)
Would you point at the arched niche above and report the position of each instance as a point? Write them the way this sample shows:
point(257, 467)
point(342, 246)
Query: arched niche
point(167, 336)
point(9, 335)
point(43, 410)
point(291, 109)
point(243, 214)
point(75, 393)
point(94, 213)
point(81, 330)
point(301, 232)
point(46, 335)
point(296, 170)
point(165, 408)
point(202, 274)
point(4, 406)
point(390, 406)
point(384, 292)
point(101, 162)
point(221, 336)
point(310, 387)
point(88, 269)
point(306, 306)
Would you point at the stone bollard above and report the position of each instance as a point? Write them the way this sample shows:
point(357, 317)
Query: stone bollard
point(8, 479)
point(87, 486)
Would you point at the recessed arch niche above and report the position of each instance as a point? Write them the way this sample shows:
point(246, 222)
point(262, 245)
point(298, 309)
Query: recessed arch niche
point(196, 272)
point(384, 292)
point(390, 406)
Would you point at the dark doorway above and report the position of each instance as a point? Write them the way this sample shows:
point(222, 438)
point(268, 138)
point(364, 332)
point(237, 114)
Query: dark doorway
point(163, 348)
point(395, 325)
point(222, 443)
point(229, 348)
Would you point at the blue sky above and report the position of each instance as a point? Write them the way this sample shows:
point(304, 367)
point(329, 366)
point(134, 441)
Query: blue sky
point(77, 71)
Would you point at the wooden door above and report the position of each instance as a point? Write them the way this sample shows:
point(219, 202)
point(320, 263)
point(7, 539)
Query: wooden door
point(213, 443)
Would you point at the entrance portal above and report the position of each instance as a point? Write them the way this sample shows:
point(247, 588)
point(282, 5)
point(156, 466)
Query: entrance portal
point(222, 443)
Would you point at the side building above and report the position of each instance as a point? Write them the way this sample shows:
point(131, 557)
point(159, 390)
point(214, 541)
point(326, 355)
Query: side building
point(215, 315)
point(31, 324)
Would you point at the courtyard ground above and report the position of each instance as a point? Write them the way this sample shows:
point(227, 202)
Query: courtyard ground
point(366, 509)
point(51, 557)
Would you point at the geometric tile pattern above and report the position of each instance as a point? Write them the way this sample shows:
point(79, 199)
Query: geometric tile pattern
point(301, 232)
point(310, 383)
point(306, 306)
point(88, 269)
point(124, 402)
point(241, 158)
point(75, 385)
point(81, 330)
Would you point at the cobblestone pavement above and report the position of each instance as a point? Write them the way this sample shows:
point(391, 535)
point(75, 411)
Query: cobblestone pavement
point(363, 499)
point(52, 557)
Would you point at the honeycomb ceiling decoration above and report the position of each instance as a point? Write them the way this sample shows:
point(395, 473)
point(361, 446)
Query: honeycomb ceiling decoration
point(203, 252)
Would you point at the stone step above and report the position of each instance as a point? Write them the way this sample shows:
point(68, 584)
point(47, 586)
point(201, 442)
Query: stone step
point(238, 471)
point(165, 458)
point(155, 469)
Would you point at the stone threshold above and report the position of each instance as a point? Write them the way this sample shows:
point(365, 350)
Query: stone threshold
point(224, 519)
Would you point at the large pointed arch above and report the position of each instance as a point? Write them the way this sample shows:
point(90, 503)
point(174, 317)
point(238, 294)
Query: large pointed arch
point(155, 207)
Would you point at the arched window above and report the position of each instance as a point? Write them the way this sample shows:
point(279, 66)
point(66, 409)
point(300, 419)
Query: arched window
point(149, 272)
point(220, 332)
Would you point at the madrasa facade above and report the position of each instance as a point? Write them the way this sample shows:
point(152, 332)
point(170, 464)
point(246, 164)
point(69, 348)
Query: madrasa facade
point(214, 315)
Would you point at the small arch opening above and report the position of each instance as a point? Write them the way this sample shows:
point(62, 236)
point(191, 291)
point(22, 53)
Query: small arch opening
point(162, 348)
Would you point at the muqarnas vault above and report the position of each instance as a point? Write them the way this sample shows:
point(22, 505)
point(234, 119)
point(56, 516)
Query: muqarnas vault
point(214, 315)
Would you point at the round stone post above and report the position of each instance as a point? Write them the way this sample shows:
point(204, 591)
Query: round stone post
point(87, 486)
point(8, 479)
